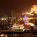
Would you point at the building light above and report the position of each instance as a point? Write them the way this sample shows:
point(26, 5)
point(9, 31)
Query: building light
point(3, 18)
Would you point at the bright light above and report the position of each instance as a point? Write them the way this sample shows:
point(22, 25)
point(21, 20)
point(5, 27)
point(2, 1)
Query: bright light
point(23, 29)
point(2, 35)
point(31, 24)
point(3, 19)
point(29, 13)
point(21, 26)
point(30, 18)
point(34, 8)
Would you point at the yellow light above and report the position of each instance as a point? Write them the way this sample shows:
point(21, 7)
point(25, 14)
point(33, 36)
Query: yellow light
point(23, 29)
point(34, 8)
point(31, 24)
point(2, 35)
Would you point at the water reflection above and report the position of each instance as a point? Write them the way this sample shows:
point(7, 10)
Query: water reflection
point(17, 35)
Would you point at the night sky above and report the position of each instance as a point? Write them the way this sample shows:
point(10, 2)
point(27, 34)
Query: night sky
point(19, 5)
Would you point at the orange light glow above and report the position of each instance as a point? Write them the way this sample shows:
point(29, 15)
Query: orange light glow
point(34, 8)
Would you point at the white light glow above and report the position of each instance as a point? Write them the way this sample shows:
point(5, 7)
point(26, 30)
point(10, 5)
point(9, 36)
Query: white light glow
point(3, 19)
point(31, 24)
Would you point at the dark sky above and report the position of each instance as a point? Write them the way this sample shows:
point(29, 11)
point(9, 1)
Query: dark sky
point(19, 5)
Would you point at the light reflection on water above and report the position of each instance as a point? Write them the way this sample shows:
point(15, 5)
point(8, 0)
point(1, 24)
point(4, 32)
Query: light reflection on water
point(14, 34)
point(3, 35)
point(19, 35)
